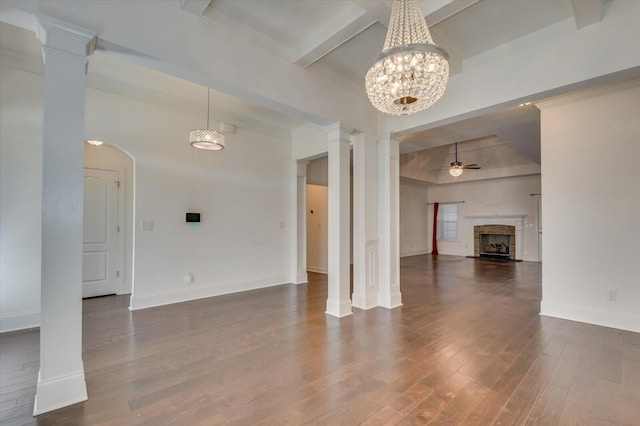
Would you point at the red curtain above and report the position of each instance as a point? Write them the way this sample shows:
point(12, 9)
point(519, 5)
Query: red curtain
point(434, 241)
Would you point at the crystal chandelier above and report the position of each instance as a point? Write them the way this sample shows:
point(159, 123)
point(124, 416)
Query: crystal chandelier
point(210, 140)
point(411, 72)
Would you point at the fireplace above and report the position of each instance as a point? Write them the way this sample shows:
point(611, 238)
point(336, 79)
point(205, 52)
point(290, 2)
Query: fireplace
point(495, 246)
point(495, 241)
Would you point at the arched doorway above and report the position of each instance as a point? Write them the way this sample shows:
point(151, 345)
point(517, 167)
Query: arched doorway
point(109, 221)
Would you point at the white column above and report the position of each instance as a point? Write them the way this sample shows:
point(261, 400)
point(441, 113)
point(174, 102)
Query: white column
point(365, 243)
point(299, 227)
point(389, 214)
point(338, 301)
point(61, 378)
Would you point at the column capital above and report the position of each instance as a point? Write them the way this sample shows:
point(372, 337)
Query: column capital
point(391, 137)
point(339, 131)
point(390, 145)
point(360, 138)
point(65, 38)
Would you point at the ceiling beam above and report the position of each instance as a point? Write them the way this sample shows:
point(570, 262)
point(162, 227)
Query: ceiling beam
point(379, 10)
point(438, 11)
point(587, 12)
point(435, 11)
point(310, 51)
point(196, 7)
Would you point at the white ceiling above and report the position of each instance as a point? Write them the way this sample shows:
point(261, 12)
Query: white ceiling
point(112, 74)
point(345, 35)
point(342, 36)
point(308, 32)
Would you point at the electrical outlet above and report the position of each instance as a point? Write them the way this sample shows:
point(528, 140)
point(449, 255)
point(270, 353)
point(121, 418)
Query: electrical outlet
point(612, 295)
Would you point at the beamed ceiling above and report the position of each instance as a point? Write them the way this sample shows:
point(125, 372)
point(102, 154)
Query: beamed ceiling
point(341, 37)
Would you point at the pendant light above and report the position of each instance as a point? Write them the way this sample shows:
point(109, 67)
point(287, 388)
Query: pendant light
point(207, 139)
point(411, 73)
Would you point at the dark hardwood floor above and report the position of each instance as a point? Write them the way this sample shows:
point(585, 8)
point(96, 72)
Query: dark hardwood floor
point(467, 347)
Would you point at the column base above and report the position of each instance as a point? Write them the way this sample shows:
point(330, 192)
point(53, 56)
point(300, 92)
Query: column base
point(301, 277)
point(362, 302)
point(59, 392)
point(338, 308)
point(391, 301)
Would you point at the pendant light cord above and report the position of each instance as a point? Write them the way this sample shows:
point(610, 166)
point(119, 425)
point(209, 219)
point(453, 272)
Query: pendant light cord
point(208, 103)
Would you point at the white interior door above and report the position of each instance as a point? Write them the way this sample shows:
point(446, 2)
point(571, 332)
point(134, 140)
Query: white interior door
point(100, 243)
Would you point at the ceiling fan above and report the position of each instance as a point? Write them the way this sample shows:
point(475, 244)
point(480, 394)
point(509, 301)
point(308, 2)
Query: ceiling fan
point(457, 167)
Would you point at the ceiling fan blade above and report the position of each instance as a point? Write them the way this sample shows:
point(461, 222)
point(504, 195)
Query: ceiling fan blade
point(472, 167)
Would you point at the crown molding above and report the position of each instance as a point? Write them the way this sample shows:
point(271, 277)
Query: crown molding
point(589, 93)
point(306, 130)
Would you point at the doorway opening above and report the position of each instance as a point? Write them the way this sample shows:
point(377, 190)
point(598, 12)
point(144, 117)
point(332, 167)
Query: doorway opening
point(108, 231)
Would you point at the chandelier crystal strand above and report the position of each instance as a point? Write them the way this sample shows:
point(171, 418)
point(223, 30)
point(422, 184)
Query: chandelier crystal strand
point(411, 73)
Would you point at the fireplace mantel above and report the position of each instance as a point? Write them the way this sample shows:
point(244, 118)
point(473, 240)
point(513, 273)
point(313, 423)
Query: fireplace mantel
point(498, 216)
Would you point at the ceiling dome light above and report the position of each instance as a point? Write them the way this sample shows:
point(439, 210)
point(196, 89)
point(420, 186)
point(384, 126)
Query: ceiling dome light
point(94, 142)
point(411, 73)
point(206, 139)
point(456, 169)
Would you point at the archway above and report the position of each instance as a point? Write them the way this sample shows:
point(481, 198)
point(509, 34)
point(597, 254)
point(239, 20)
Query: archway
point(111, 158)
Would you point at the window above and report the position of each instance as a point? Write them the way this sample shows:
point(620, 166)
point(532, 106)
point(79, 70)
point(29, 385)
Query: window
point(447, 221)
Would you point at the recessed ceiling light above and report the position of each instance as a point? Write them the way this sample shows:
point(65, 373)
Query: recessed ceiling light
point(94, 142)
point(526, 104)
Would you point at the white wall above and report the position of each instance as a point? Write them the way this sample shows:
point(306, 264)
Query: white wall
point(317, 228)
point(309, 142)
point(591, 207)
point(108, 157)
point(242, 192)
point(20, 198)
point(414, 215)
point(317, 242)
point(498, 197)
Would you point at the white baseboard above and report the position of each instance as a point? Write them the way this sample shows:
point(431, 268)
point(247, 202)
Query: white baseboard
point(194, 292)
point(317, 270)
point(300, 277)
point(619, 320)
point(19, 321)
point(414, 253)
point(59, 392)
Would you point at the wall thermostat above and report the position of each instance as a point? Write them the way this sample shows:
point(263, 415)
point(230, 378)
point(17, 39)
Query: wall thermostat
point(193, 217)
